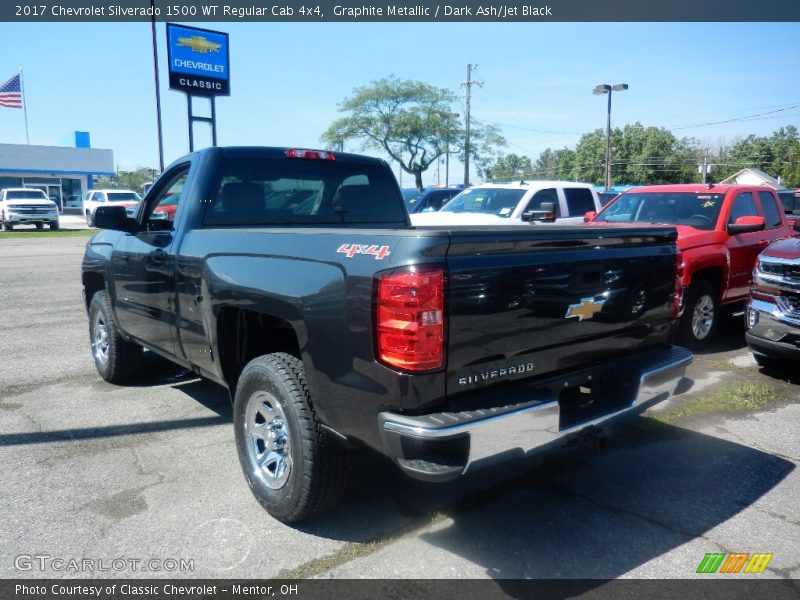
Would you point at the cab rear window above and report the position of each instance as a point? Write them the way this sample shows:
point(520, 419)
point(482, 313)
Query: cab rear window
point(277, 192)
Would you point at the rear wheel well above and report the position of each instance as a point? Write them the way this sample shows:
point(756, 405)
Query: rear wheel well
point(713, 276)
point(92, 283)
point(242, 335)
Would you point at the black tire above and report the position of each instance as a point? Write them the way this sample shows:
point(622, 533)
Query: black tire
point(309, 470)
point(8, 225)
point(116, 359)
point(40, 226)
point(55, 226)
point(700, 316)
point(89, 219)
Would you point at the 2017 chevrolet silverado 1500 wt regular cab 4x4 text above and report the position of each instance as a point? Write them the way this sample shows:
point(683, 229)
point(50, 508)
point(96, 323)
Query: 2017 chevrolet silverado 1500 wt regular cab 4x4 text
point(294, 279)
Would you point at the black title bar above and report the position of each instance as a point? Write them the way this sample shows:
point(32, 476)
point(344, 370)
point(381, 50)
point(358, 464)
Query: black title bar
point(315, 11)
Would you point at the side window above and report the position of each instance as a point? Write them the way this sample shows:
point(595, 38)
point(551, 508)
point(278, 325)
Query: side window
point(579, 201)
point(545, 195)
point(771, 214)
point(164, 206)
point(743, 206)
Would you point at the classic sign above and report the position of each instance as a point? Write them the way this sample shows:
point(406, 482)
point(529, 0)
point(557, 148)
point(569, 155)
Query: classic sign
point(199, 61)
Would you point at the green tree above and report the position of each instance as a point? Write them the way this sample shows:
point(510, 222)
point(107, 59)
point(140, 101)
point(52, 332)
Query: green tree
point(126, 180)
point(510, 166)
point(412, 122)
point(485, 143)
point(590, 156)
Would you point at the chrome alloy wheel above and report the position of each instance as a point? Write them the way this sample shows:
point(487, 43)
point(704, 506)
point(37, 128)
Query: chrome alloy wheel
point(703, 317)
point(100, 339)
point(267, 440)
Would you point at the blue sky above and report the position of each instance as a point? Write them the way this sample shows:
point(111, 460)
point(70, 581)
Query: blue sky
point(287, 79)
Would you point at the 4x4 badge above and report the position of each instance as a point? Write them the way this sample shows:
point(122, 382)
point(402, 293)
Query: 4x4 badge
point(586, 308)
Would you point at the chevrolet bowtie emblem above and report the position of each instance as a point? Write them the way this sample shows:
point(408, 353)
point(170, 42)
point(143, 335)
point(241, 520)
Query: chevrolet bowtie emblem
point(198, 43)
point(586, 308)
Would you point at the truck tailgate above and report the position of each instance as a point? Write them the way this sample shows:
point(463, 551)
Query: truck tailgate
point(526, 304)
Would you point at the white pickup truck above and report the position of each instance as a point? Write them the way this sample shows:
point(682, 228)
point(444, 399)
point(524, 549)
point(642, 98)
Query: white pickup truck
point(27, 206)
point(96, 198)
point(518, 203)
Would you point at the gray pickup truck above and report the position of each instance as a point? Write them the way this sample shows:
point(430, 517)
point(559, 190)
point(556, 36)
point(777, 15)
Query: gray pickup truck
point(295, 279)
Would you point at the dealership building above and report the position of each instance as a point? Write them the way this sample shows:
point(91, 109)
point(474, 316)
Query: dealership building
point(63, 173)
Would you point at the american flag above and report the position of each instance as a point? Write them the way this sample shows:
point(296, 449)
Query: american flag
point(11, 93)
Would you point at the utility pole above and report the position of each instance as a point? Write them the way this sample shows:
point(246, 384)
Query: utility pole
point(467, 85)
point(705, 169)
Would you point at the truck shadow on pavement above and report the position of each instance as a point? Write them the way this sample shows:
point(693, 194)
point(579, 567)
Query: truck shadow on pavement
point(599, 516)
point(578, 513)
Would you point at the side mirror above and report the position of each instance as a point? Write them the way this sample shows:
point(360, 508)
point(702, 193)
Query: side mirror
point(746, 225)
point(113, 217)
point(589, 216)
point(545, 214)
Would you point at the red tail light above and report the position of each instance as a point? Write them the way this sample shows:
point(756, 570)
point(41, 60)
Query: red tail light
point(310, 154)
point(409, 313)
point(677, 294)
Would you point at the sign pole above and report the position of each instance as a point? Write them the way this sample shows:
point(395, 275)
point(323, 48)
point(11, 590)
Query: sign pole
point(213, 122)
point(199, 65)
point(158, 90)
point(191, 122)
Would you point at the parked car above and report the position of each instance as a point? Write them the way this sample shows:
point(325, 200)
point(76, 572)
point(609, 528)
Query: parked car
point(721, 230)
point(95, 198)
point(27, 206)
point(515, 203)
point(773, 313)
point(298, 283)
point(432, 199)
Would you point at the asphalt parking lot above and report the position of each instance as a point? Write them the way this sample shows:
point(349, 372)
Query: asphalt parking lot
point(96, 472)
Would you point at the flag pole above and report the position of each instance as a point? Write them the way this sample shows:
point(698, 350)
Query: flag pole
point(24, 106)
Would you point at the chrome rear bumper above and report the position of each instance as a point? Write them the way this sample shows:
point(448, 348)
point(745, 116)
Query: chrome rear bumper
point(443, 446)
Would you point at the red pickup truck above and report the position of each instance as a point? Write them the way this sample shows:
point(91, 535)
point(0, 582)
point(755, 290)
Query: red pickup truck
point(721, 231)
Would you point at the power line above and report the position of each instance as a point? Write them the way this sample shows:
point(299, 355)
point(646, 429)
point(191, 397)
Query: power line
point(738, 119)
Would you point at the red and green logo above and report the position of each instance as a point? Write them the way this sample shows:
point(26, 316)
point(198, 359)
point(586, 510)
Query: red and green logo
point(734, 562)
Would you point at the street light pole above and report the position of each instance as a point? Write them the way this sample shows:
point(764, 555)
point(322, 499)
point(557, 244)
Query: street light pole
point(604, 88)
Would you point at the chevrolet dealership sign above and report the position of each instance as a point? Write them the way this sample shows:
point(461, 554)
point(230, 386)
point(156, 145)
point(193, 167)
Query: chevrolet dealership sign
point(198, 61)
